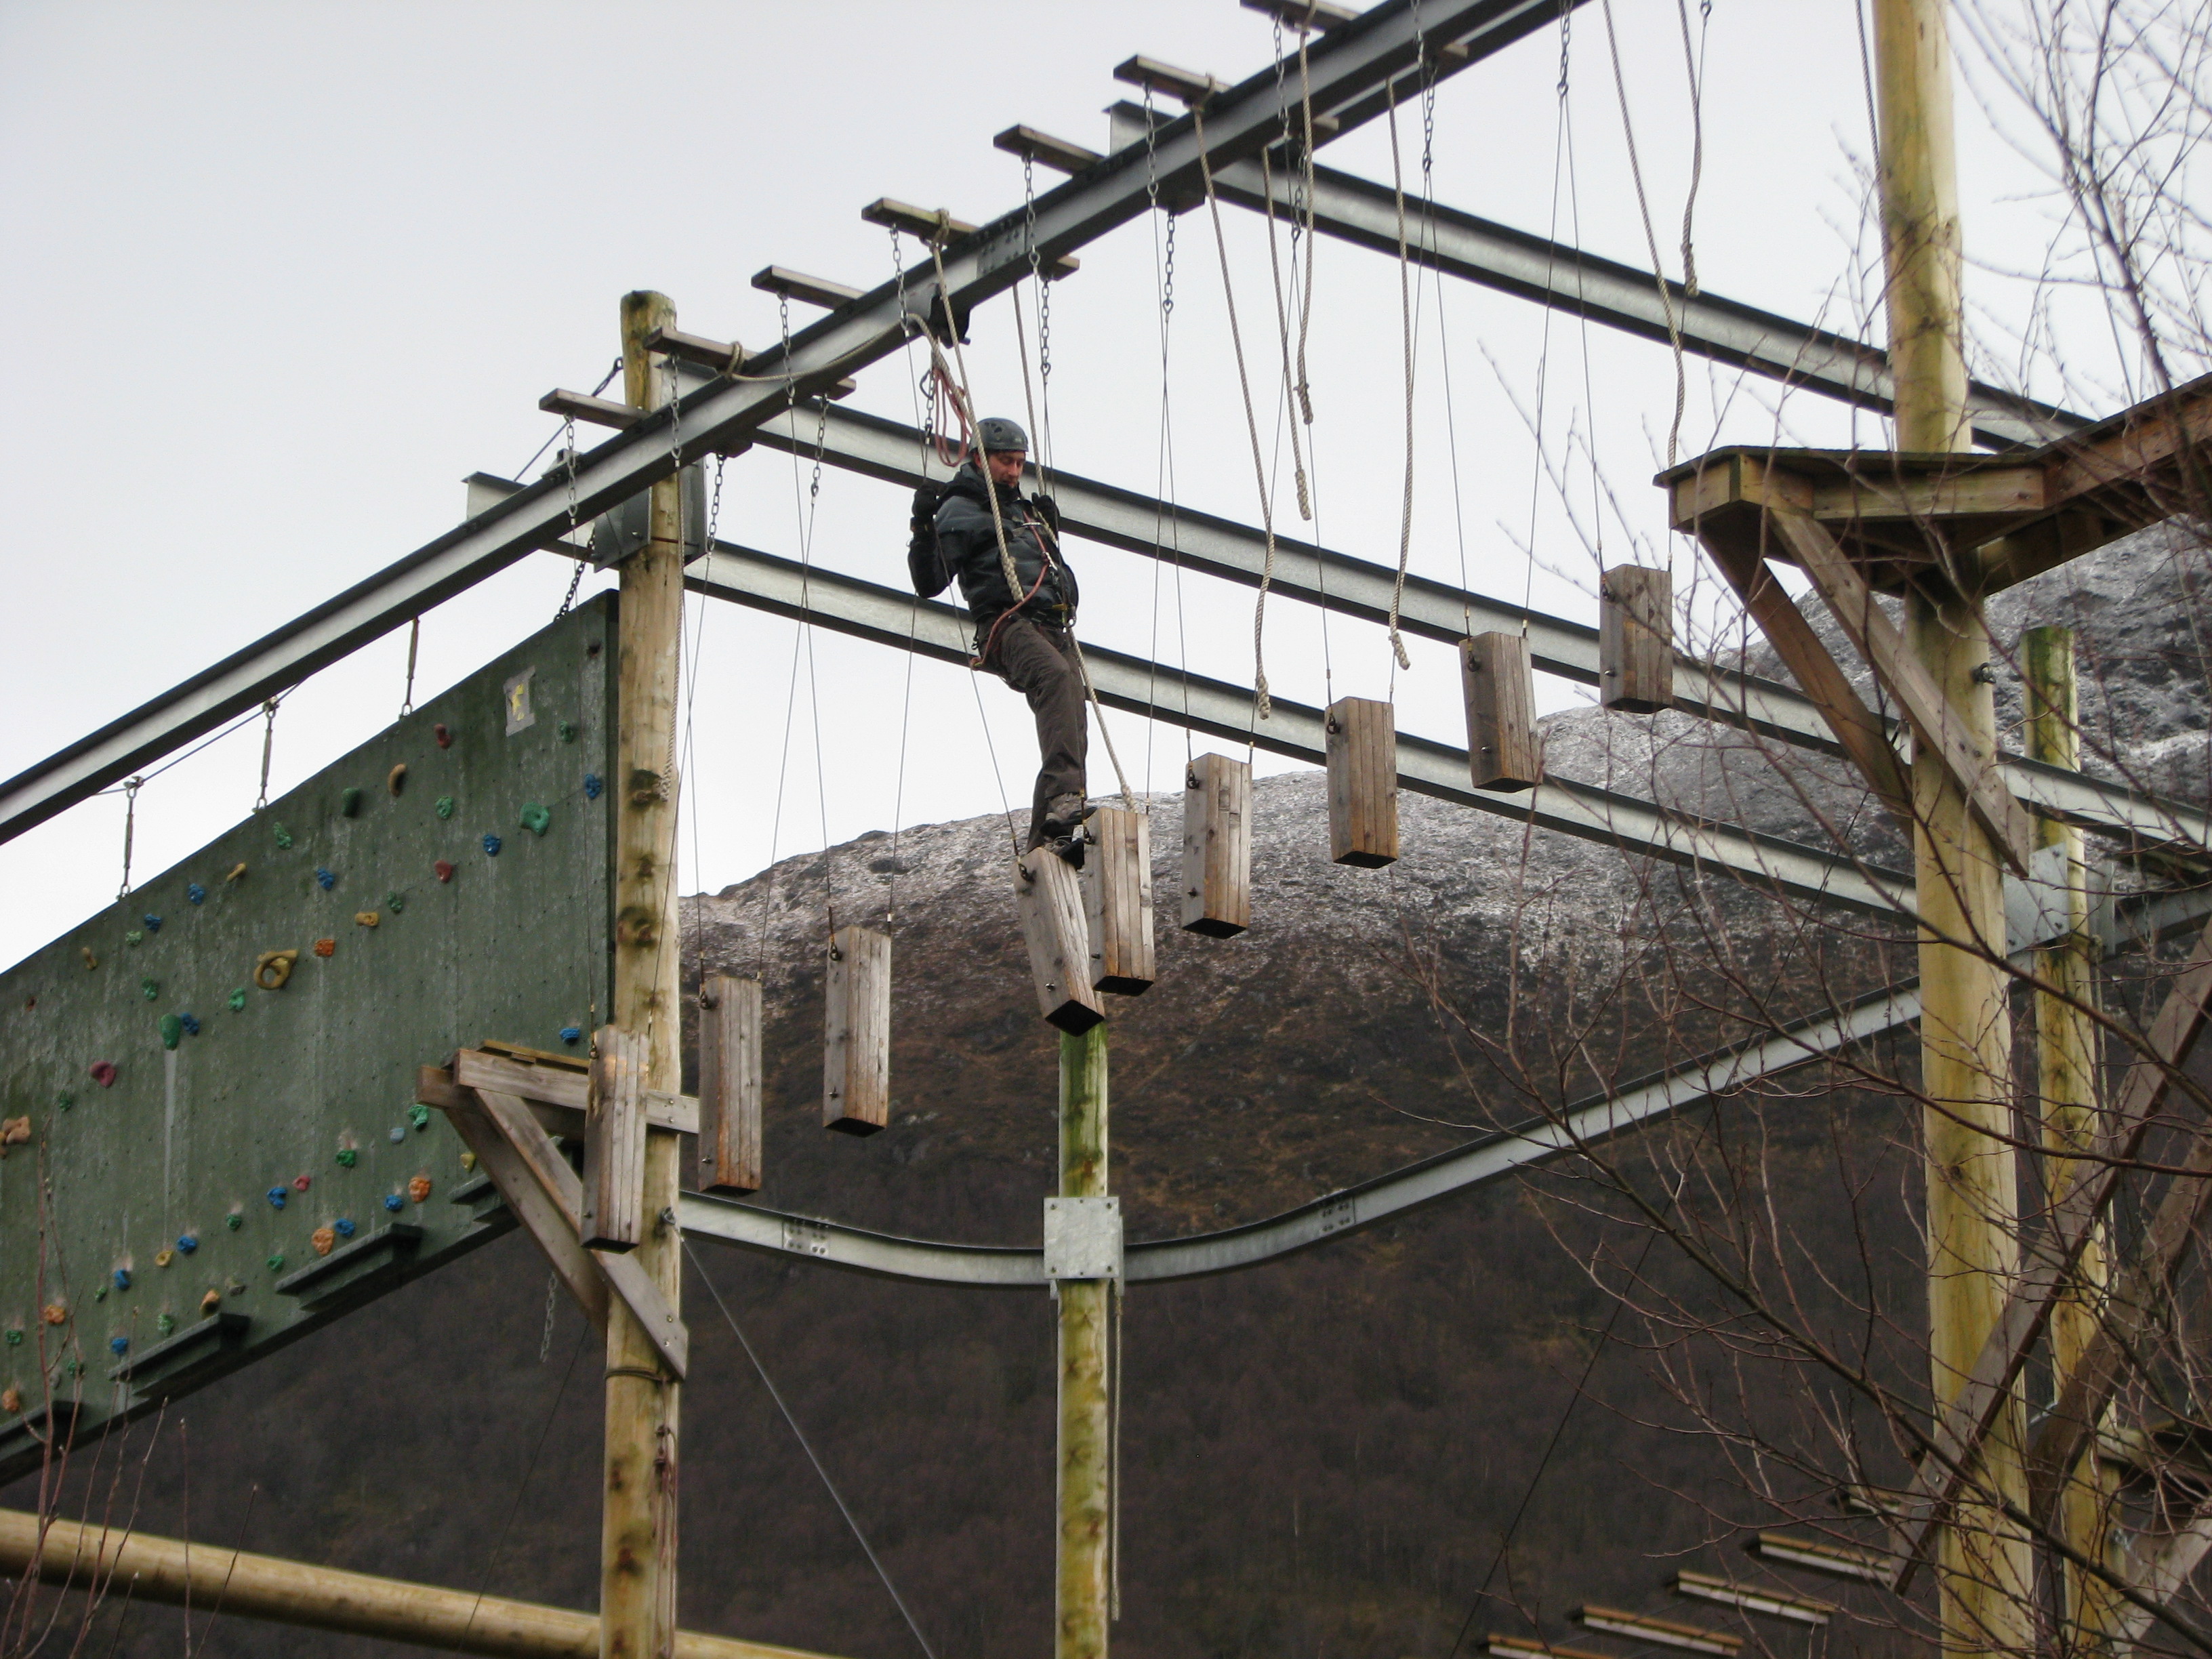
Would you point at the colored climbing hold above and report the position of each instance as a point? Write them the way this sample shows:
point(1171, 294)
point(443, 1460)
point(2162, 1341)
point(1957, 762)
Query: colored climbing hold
point(150, 989)
point(275, 1264)
point(194, 893)
point(344, 1227)
point(72, 1367)
point(65, 1100)
point(122, 1278)
point(272, 968)
point(443, 870)
point(325, 878)
point(324, 947)
point(279, 835)
point(191, 1023)
point(236, 1000)
point(347, 1157)
point(468, 1160)
point(11, 1400)
point(13, 1131)
point(303, 1182)
point(153, 924)
point(419, 1189)
point(103, 1073)
point(322, 1239)
point(211, 1301)
point(188, 1242)
point(395, 902)
point(492, 845)
point(419, 1116)
point(237, 873)
point(237, 1285)
point(392, 1200)
point(14, 1339)
point(396, 778)
point(135, 936)
point(536, 819)
point(398, 1134)
point(235, 1220)
point(445, 739)
point(119, 1345)
point(165, 1323)
point(278, 1198)
point(100, 1294)
point(173, 1030)
point(572, 1035)
point(54, 1314)
point(90, 960)
point(164, 1256)
point(366, 918)
point(566, 731)
point(592, 785)
point(349, 803)
point(445, 806)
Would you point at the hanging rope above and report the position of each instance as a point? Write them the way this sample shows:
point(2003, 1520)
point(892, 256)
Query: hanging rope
point(1305, 306)
point(130, 826)
point(1261, 703)
point(1694, 63)
point(1650, 242)
point(1405, 332)
point(1283, 326)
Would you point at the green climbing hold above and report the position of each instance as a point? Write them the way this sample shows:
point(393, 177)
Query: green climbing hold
point(349, 803)
point(150, 989)
point(347, 1157)
point(279, 835)
point(275, 1264)
point(395, 902)
point(233, 1221)
point(165, 1323)
point(135, 936)
point(238, 999)
point(419, 1116)
point(536, 819)
point(445, 806)
point(14, 1339)
point(100, 1294)
point(65, 1100)
point(566, 731)
point(173, 1030)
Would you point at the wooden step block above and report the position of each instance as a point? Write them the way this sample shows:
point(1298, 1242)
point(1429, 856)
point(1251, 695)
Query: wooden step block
point(1636, 640)
point(614, 1142)
point(1118, 884)
point(1050, 896)
point(1217, 846)
point(1363, 782)
point(856, 1061)
point(1500, 685)
point(730, 1085)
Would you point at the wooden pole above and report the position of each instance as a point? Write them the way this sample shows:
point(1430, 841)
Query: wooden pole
point(1085, 1564)
point(2066, 1067)
point(1983, 1565)
point(208, 1577)
point(637, 1537)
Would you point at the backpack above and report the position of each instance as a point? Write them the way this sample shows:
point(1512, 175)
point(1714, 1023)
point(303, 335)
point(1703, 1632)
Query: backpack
point(925, 561)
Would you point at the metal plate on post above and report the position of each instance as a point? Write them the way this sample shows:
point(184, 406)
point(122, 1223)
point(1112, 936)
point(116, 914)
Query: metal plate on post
point(1083, 1238)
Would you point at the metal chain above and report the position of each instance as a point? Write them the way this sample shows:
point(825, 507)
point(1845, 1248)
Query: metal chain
point(568, 454)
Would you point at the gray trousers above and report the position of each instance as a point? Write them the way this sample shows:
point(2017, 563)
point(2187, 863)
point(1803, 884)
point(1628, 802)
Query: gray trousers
point(1039, 661)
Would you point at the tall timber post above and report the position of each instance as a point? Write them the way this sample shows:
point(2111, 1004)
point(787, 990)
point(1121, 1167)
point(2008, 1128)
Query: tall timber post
point(1082, 1559)
point(1983, 1562)
point(637, 1568)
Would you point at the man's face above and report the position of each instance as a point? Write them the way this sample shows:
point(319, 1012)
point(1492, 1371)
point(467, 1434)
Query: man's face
point(1006, 466)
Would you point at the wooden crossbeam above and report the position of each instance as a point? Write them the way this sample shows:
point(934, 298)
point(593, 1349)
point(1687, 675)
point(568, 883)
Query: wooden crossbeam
point(559, 1094)
point(1851, 602)
point(2079, 1208)
point(1058, 154)
point(786, 284)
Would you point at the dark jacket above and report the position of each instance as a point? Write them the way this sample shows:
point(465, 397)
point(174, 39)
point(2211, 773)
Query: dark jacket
point(968, 549)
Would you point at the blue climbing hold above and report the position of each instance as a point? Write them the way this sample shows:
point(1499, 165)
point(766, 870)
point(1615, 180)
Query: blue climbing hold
point(122, 1279)
point(119, 1345)
point(398, 1134)
point(188, 1242)
point(492, 845)
point(277, 1196)
point(196, 893)
point(153, 924)
point(593, 786)
point(392, 1200)
point(572, 1035)
point(324, 880)
point(344, 1227)
point(191, 1023)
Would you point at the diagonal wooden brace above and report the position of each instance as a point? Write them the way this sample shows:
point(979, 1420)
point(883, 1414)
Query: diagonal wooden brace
point(2078, 1210)
point(1853, 603)
point(547, 1198)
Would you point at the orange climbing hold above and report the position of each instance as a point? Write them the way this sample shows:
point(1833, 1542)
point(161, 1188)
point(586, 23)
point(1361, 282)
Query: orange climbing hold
point(324, 946)
point(323, 1238)
point(54, 1314)
point(211, 1301)
point(419, 1189)
point(11, 1401)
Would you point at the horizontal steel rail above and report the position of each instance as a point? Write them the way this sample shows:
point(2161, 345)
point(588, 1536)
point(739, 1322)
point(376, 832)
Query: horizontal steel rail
point(1348, 68)
point(886, 450)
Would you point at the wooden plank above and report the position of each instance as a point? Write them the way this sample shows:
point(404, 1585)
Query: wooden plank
point(1861, 732)
point(730, 1084)
point(582, 406)
point(1117, 882)
point(856, 1063)
point(797, 285)
point(1636, 640)
point(1851, 602)
point(1050, 899)
point(614, 1142)
point(1217, 846)
point(1499, 682)
point(558, 1094)
point(1363, 782)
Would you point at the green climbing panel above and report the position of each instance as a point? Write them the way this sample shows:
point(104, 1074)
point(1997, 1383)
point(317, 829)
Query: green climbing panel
point(170, 1089)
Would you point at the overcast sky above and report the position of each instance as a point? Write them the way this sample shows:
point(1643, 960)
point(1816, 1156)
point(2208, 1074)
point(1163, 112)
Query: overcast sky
point(277, 277)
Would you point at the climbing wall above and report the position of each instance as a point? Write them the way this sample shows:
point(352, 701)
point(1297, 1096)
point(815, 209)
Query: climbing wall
point(209, 1142)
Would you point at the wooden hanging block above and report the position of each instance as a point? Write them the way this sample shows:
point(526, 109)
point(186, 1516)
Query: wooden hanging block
point(1494, 671)
point(1636, 640)
point(1363, 782)
point(856, 1066)
point(1217, 846)
point(614, 1142)
point(1049, 897)
point(1117, 882)
point(730, 1085)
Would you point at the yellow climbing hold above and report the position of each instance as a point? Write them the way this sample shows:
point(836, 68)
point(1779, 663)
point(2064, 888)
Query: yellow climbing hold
point(272, 968)
point(90, 960)
point(163, 1258)
point(366, 918)
point(237, 872)
point(396, 780)
point(468, 1160)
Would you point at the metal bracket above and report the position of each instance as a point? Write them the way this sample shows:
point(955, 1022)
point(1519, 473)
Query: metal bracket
point(1083, 1238)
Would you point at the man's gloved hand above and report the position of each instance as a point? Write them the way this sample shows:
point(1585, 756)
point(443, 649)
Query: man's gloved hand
point(1048, 510)
point(928, 498)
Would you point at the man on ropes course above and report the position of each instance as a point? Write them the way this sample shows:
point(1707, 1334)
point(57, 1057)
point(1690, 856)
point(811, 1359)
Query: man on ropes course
point(1026, 634)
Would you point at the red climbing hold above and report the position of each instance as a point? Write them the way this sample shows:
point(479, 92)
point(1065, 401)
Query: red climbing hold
point(445, 738)
point(303, 1182)
point(324, 946)
point(444, 870)
point(103, 1073)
